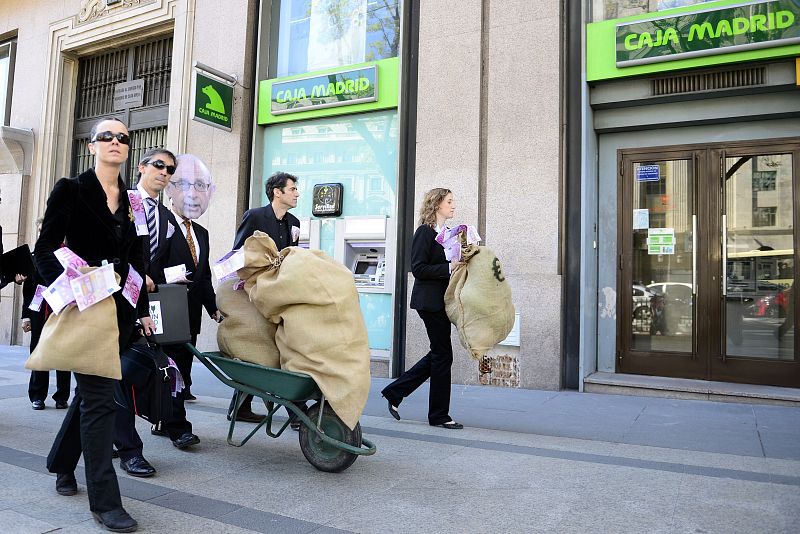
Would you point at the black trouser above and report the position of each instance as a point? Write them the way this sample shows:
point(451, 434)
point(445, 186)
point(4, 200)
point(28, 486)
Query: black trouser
point(434, 365)
point(178, 424)
point(40, 382)
point(88, 427)
point(126, 438)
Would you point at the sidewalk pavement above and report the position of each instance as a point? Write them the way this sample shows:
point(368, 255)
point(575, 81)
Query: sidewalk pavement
point(528, 461)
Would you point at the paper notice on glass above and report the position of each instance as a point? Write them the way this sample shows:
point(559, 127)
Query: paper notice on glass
point(660, 241)
point(38, 297)
point(155, 315)
point(177, 274)
point(94, 286)
point(67, 258)
point(133, 286)
point(59, 294)
point(227, 265)
point(641, 219)
point(139, 214)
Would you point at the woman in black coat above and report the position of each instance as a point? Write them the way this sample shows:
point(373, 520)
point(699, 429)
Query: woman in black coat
point(431, 272)
point(92, 216)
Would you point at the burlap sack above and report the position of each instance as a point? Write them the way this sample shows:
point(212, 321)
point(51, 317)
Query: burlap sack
point(478, 301)
point(321, 331)
point(85, 342)
point(245, 333)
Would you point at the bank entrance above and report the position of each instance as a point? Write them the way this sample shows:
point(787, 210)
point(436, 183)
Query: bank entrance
point(707, 258)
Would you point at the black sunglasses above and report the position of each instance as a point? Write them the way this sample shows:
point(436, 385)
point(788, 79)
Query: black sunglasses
point(160, 165)
point(106, 137)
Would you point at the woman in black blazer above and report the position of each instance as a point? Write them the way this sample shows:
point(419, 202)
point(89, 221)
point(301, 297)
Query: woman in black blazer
point(431, 272)
point(92, 216)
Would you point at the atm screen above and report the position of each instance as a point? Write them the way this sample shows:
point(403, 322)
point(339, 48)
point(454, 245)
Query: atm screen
point(366, 267)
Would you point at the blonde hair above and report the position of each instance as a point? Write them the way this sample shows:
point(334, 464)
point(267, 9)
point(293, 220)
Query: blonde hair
point(427, 212)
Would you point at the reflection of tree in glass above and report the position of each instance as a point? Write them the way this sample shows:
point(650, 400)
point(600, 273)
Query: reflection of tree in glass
point(384, 17)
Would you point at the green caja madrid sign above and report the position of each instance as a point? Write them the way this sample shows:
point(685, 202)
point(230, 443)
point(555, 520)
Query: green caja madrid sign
point(712, 31)
point(328, 90)
point(213, 102)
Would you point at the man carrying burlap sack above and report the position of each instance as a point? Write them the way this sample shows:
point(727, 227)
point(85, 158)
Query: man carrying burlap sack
point(314, 302)
point(275, 220)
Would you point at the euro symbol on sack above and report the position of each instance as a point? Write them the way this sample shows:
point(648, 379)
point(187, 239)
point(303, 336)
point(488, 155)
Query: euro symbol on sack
point(498, 270)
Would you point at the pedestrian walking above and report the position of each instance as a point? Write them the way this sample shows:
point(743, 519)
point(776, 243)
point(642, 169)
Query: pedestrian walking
point(189, 190)
point(431, 272)
point(284, 228)
point(33, 322)
point(155, 168)
point(92, 214)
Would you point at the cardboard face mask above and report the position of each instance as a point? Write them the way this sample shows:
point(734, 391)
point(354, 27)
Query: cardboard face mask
point(190, 188)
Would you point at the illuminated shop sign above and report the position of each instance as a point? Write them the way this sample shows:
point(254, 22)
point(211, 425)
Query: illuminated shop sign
point(326, 91)
point(708, 32)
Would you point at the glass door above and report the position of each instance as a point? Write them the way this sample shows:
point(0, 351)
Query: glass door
point(758, 265)
point(657, 303)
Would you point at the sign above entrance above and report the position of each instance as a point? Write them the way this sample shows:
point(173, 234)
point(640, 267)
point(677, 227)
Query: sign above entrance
point(355, 89)
point(213, 101)
point(708, 32)
point(129, 95)
point(328, 90)
point(722, 32)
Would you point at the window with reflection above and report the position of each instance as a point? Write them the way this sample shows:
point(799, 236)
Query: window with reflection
point(321, 34)
point(759, 256)
point(615, 9)
point(6, 80)
point(359, 151)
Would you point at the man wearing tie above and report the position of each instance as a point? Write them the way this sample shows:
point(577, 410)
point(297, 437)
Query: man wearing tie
point(155, 169)
point(190, 191)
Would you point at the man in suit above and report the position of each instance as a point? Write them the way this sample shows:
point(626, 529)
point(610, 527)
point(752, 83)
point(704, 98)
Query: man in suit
point(189, 190)
point(283, 228)
point(155, 169)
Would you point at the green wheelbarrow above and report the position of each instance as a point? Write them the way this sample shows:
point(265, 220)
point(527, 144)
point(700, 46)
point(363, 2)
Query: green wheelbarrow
point(327, 443)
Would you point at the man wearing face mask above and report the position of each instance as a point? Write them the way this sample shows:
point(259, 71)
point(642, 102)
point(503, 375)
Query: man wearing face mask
point(155, 169)
point(189, 190)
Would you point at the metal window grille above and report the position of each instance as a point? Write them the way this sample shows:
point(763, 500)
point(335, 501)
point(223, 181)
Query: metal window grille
point(141, 142)
point(153, 64)
point(97, 76)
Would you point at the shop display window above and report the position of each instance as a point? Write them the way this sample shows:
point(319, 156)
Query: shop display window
point(320, 34)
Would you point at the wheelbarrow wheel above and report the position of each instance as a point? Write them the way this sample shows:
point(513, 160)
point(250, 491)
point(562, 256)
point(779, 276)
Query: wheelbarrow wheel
point(324, 456)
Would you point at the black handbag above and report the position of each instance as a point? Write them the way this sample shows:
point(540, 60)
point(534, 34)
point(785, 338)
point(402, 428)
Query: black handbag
point(146, 385)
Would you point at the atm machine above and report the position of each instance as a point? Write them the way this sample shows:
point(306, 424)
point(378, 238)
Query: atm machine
point(365, 245)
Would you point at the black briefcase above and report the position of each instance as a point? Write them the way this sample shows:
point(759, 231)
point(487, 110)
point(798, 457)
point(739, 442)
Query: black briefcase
point(169, 309)
point(146, 385)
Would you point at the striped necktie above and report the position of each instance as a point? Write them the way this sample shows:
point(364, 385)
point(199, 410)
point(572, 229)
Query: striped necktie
point(152, 229)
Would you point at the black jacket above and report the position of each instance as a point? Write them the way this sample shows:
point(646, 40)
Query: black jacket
point(201, 292)
point(263, 219)
point(77, 215)
point(431, 271)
